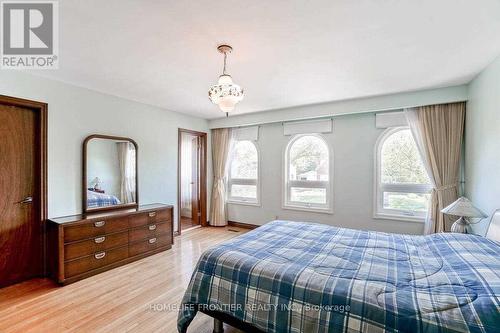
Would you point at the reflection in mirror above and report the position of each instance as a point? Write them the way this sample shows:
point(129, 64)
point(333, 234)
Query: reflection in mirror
point(111, 173)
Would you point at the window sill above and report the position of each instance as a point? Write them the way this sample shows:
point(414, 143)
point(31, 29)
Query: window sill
point(243, 203)
point(402, 218)
point(307, 209)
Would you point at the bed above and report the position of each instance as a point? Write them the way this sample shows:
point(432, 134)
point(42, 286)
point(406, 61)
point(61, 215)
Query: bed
point(305, 277)
point(95, 199)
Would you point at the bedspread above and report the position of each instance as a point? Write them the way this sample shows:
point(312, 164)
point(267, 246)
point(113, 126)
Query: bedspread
point(95, 200)
point(305, 277)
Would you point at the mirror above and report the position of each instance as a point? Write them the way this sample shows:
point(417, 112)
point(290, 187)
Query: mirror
point(109, 173)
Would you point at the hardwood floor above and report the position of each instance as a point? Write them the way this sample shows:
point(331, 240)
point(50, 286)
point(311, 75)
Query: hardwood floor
point(121, 300)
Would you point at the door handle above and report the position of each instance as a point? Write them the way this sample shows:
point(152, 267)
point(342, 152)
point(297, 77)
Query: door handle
point(26, 200)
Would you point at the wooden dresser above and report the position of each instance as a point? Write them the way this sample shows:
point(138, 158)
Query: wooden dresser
point(80, 246)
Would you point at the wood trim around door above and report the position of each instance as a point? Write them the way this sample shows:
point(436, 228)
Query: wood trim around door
point(41, 161)
point(203, 177)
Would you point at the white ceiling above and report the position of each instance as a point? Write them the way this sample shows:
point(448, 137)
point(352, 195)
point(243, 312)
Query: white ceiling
point(286, 53)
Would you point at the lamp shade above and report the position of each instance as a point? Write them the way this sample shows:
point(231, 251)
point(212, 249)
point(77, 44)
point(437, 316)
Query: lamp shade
point(463, 207)
point(225, 93)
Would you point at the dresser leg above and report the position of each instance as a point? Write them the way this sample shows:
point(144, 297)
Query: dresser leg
point(218, 326)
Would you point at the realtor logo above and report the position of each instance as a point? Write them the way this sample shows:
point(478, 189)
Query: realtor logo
point(29, 34)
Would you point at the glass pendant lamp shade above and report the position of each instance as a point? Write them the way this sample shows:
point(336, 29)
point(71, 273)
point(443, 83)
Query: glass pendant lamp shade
point(226, 94)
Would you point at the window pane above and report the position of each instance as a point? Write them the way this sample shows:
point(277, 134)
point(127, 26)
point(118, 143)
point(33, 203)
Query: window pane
point(308, 159)
point(244, 191)
point(244, 160)
point(416, 202)
point(401, 163)
point(308, 195)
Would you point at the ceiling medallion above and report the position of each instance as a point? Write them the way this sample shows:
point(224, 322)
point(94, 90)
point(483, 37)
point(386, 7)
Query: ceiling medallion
point(225, 93)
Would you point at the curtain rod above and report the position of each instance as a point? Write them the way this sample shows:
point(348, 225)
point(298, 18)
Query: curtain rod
point(306, 119)
point(336, 115)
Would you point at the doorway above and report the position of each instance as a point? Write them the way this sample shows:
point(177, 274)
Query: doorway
point(192, 189)
point(23, 189)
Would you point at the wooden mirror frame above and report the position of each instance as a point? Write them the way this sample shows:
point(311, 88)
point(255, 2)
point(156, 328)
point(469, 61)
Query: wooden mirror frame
point(84, 175)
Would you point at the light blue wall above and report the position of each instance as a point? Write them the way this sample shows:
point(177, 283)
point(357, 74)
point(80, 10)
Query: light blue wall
point(75, 113)
point(353, 143)
point(482, 143)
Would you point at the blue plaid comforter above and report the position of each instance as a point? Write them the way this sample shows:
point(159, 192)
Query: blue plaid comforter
point(305, 277)
point(95, 200)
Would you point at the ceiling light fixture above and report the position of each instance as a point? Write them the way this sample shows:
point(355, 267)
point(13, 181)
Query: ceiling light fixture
point(225, 93)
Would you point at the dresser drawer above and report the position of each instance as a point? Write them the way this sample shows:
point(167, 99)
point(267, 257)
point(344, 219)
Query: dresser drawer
point(148, 231)
point(83, 245)
point(149, 244)
point(97, 244)
point(99, 259)
point(95, 228)
point(157, 216)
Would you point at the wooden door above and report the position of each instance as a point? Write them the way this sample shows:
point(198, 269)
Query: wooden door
point(21, 246)
point(195, 195)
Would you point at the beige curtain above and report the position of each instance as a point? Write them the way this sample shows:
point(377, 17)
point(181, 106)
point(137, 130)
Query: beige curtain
point(221, 144)
point(126, 161)
point(438, 132)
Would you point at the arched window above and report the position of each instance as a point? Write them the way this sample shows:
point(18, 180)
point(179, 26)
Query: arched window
point(401, 181)
point(243, 173)
point(307, 174)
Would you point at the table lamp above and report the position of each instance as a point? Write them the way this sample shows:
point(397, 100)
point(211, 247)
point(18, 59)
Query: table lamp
point(464, 208)
point(97, 183)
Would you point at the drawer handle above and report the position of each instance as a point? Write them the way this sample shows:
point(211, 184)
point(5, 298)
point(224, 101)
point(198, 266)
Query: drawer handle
point(99, 239)
point(100, 255)
point(152, 240)
point(99, 224)
point(152, 227)
point(153, 214)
